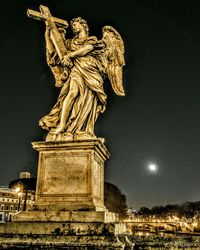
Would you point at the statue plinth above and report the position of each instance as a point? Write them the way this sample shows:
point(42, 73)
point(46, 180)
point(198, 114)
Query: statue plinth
point(70, 175)
point(70, 183)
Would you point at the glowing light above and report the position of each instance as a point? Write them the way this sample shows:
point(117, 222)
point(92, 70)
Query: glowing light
point(19, 194)
point(152, 167)
point(17, 189)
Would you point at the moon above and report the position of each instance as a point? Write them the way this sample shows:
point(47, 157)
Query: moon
point(152, 167)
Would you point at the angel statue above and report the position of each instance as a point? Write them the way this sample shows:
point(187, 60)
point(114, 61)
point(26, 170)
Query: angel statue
point(80, 72)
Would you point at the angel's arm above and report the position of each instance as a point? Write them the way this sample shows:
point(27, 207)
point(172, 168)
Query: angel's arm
point(84, 50)
point(49, 44)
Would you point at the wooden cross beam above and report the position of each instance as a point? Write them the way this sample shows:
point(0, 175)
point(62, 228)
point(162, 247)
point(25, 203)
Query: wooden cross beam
point(45, 15)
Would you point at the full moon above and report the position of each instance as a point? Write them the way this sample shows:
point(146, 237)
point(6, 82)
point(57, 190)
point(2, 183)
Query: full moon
point(152, 167)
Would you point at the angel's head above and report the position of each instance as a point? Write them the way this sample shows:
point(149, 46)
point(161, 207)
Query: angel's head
point(78, 24)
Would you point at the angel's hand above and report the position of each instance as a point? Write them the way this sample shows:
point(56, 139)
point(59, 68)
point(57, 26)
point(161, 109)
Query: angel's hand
point(51, 57)
point(49, 25)
point(66, 61)
point(48, 30)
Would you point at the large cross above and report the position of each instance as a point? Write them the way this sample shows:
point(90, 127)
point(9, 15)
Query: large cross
point(45, 15)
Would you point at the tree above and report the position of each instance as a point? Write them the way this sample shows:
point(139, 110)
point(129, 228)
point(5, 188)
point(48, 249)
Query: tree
point(114, 200)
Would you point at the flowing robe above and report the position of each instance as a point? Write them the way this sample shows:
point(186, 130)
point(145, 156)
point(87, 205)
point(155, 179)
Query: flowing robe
point(87, 71)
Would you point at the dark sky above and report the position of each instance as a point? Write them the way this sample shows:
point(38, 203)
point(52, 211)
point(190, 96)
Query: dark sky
point(157, 121)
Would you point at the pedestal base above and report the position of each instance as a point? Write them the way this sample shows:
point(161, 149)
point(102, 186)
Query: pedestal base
point(63, 228)
point(66, 216)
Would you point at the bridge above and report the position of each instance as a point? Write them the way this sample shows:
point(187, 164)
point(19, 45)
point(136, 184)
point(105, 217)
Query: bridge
point(157, 225)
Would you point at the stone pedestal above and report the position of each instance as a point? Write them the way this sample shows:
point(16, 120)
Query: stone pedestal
point(70, 175)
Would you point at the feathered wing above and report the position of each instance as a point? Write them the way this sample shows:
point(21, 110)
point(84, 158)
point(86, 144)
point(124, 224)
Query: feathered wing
point(115, 58)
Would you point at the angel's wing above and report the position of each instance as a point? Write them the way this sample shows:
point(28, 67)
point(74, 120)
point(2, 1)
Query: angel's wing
point(115, 58)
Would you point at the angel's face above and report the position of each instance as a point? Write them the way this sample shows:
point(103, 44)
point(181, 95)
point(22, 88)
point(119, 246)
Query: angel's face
point(77, 27)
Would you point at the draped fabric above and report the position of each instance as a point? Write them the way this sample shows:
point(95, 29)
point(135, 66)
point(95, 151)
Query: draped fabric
point(91, 98)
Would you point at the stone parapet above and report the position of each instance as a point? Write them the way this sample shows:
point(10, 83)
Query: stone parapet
point(63, 228)
point(57, 235)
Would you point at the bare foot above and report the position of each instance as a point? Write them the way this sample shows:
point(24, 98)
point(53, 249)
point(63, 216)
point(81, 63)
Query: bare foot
point(84, 136)
point(59, 129)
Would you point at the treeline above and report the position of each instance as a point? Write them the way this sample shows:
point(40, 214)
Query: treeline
point(115, 200)
point(187, 209)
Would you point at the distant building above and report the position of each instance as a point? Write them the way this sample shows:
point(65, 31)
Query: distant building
point(25, 175)
point(15, 199)
point(132, 210)
point(9, 201)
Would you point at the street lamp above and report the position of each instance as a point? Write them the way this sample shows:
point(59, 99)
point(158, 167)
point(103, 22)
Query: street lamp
point(19, 196)
point(19, 191)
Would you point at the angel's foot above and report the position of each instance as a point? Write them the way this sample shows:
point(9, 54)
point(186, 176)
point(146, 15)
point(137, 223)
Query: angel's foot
point(67, 136)
point(59, 129)
point(84, 136)
point(79, 132)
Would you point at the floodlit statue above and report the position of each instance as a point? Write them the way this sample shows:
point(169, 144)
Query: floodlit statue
point(80, 66)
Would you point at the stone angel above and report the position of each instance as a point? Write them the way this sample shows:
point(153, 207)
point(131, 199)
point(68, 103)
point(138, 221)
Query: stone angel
point(80, 73)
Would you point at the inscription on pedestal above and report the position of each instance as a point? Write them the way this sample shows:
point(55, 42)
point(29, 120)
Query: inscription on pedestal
point(65, 174)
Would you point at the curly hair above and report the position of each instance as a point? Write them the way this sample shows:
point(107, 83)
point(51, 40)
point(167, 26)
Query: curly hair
point(81, 21)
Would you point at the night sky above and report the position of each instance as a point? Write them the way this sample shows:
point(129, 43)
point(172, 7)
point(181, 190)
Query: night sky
point(157, 121)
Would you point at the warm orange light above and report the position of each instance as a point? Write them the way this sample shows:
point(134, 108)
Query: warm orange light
point(19, 194)
point(17, 189)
